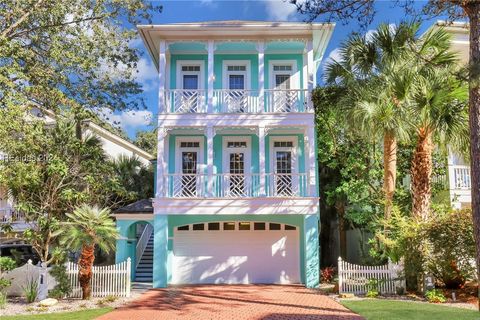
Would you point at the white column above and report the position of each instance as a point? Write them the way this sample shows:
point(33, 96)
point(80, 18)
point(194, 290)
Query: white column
point(261, 75)
point(211, 75)
point(210, 179)
point(162, 68)
point(261, 154)
point(310, 164)
point(161, 164)
point(311, 71)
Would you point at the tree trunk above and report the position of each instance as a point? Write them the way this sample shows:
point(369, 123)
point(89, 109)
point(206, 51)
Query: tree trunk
point(472, 9)
point(390, 170)
point(85, 264)
point(421, 172)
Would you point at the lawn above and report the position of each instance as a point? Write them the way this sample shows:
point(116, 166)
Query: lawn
point(78, 315)
point(404, 310)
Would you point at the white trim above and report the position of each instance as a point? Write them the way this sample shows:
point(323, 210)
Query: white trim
point(246, 73)
point(294, 74)
point(201, 73)
point(134, 216)
point(199, 150)
point(226, 151)
point(293, 149)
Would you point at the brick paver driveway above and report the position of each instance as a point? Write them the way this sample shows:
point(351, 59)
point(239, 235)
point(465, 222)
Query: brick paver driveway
point(232, 302)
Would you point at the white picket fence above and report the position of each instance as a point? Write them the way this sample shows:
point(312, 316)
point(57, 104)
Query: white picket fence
point(354, 278)
point(112, 280)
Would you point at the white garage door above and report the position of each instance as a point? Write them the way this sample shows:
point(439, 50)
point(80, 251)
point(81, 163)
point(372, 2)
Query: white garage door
point(236, 252)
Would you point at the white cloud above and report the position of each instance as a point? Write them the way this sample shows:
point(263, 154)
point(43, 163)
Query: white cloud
point(369, 34)
point(280, 10)
point(334, 55)
point(126, 119)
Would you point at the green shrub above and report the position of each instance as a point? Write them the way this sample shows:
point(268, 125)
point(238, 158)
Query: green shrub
point(435, 296)
point(3, 300)
point(372, 294)
point(7, 264)
point(30, 290)
point(63, 287)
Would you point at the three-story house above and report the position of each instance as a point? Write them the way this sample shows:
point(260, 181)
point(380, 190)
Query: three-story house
point(236, 178)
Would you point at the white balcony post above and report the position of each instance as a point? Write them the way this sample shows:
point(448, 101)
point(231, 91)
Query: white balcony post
point(161, 164)
point(211, 75)
point(162, 68)
point(311, 72)
point(210, 184)
point(261, 75)
point(310, 164)
point(261, 153)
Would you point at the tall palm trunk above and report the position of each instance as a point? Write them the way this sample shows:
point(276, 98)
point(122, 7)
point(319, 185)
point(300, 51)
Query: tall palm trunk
point(390, 170)
point(421, 171)
point(85, 264)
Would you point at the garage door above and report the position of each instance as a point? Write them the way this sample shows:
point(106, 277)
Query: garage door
point(236, 252)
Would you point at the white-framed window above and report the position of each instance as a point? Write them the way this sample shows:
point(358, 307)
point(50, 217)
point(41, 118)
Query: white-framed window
point(283, 157)
point(236, 154)
point(230, 226)
point(189, 155)
point(236, 74)
point(190, 74)
point(283, 74)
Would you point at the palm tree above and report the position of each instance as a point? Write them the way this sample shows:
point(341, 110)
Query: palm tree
point(136, 178)
point(87, 228)
point(441, 111)
point(372, 68)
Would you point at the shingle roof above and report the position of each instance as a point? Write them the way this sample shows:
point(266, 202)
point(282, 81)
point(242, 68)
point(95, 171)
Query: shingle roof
point(141, 206)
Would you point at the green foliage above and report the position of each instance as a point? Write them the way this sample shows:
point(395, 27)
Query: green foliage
point(62, 287)
point(90, 226)
point(435, 296)
point(3, 300)
point(136, 178)
point(7, 264)
point(30, 290)
point(147, 140)
point(372, 294)
point(443, 245)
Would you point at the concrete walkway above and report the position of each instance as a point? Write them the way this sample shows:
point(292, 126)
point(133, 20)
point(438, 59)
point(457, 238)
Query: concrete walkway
point(232, 302)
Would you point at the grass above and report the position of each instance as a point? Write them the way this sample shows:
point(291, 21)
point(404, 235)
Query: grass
point(403, 310)
point(77, 315)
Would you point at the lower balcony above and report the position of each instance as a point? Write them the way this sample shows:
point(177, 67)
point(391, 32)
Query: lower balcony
point(283, 185)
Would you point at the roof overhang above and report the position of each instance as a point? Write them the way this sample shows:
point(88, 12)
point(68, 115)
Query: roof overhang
point(226, 31)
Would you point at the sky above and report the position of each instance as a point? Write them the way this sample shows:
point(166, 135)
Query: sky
point(175, 11)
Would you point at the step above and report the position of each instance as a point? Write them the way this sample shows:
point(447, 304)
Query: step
point(144, 279)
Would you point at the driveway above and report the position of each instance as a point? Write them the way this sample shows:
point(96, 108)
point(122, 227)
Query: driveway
point(232, 302)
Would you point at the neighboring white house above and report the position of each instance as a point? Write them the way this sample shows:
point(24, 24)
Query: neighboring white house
point(459, 181)
point(113, 145)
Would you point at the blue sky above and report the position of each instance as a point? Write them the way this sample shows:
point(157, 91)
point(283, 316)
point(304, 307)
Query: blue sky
point(207, 10)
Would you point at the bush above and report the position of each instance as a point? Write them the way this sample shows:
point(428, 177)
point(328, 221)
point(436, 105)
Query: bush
point(435, 296)
point(372, 294)
point(63, 287)
point(3, 300)
point(327, 274)
point(31, 290)
point(6, 264)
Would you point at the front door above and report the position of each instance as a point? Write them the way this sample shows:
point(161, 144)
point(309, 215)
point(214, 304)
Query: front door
point(189, 174)
point(283, 170)
point(237, 167)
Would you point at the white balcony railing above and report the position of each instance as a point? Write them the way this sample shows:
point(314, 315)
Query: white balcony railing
point(235, 185)
point(8, 214)
point(238, 101)
point(185, 101)
point(462, 178)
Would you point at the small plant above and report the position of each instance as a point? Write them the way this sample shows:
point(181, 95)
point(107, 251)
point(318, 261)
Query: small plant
point(30, 290)
point(6, 264)
point(327, 274)
point(106, 300)
point(63, 287)
point(372, 294)
point(30, 309)
point(3, 300)
point(435, 296)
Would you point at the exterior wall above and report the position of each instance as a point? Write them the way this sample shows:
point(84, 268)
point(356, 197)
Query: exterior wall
point(164, 226)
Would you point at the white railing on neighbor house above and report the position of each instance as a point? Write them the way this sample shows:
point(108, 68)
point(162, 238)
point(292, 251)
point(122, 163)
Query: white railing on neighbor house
point(461, 177)
point(238, 101)
point(142, 242)
point(112, 280)
point(8, 214)
point(227, 185)
point(358, 279)
point(287, 100)
point(186, 101)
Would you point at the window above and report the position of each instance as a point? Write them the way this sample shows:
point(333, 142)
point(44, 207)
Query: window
point(236, 82)
point(190, 81)
point(259, 226)
point(190, 68)
point(189, 144)
point(184, 228)
point(236, 144)
point(237, 68)
point(274, 226)
point(244, 226)
point(214, 226)
point(229, 226)
point(288, 227)
point(282, 68)
point(199, 226)
point(283, 144)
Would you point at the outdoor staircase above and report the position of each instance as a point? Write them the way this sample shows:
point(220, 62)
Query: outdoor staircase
point(144, 271)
